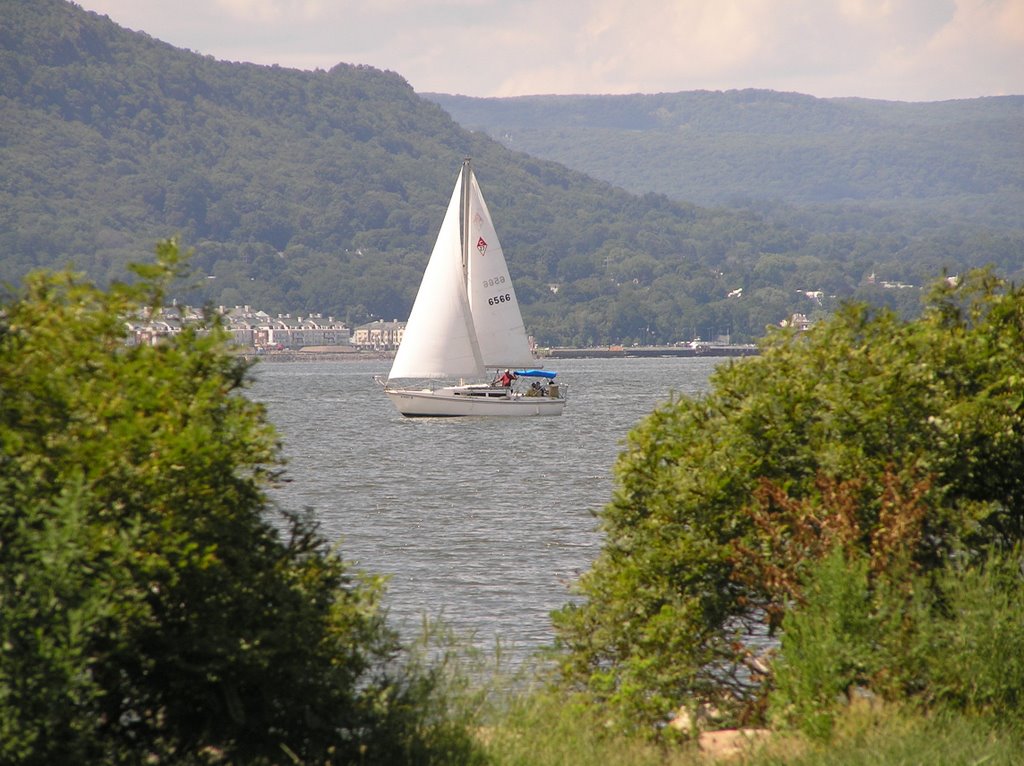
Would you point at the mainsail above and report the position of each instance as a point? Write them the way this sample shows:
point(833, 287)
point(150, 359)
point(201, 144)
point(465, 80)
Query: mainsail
point(466, 316)
point(439, 340)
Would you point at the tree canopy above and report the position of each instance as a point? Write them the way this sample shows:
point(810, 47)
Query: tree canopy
point(900, 441)
point(154, 603)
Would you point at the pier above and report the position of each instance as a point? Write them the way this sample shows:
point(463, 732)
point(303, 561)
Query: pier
point(625, 352)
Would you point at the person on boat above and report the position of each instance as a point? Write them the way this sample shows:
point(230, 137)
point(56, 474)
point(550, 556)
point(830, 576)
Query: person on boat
point(507, 377)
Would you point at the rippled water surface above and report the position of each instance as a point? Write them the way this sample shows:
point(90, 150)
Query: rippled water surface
point(483, 521)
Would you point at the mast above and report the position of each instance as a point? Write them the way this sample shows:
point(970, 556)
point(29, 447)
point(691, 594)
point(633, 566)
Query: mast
point(467, 175)
point(466, 171)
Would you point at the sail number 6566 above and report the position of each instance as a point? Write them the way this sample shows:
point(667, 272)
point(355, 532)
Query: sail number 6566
point(499, 299)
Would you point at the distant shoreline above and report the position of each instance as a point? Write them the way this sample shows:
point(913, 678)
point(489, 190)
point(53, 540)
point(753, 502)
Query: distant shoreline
point(625, 352)
point(600, 352)
point(318, 356)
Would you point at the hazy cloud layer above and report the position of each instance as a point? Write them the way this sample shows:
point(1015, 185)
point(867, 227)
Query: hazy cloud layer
point(910, 50)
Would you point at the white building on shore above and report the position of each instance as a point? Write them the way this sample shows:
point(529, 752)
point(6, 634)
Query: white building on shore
point(379, 335)
point(250, 329)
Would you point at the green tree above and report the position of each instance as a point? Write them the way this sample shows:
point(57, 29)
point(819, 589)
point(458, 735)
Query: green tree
point(154, 605)
point(928, 409)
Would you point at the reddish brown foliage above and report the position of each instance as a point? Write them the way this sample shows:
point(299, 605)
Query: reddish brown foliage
point(791, 534)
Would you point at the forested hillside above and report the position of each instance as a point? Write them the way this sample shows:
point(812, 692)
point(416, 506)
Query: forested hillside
point(322, 191)
point(962, 157)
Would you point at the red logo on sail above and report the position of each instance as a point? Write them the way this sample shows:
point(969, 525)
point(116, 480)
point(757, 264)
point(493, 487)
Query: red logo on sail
point(481, 246)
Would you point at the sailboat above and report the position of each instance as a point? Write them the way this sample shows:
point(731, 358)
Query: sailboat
point(466, 321)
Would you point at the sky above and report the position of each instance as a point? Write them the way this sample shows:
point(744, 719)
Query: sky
point(902, 50)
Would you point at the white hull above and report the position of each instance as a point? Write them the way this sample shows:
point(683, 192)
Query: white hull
point(468, 401)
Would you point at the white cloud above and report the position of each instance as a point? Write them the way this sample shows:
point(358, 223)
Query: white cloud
point(899, 49)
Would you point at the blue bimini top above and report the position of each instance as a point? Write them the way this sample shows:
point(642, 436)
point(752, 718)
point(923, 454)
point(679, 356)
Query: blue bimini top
point(536, 374)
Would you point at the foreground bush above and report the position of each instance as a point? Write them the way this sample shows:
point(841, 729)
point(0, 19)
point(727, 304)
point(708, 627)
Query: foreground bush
point(899, 442)
point(154, 607)
point(952, 640)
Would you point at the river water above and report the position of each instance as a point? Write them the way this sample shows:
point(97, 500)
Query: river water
point(483, 522)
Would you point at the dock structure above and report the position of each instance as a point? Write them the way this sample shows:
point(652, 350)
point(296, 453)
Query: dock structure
point(624, 352)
